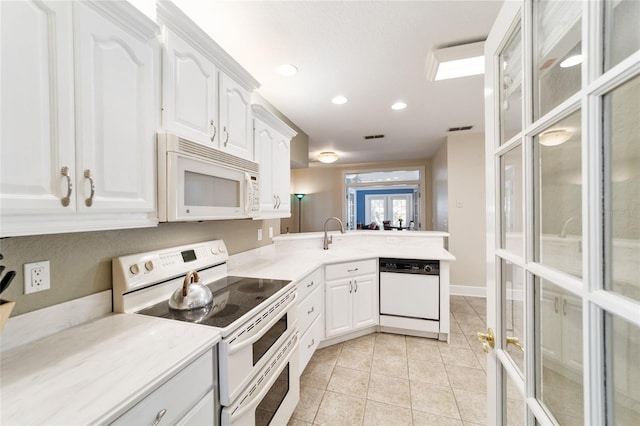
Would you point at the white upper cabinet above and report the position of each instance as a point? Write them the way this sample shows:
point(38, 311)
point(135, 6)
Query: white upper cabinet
point(273, 146)
point(116, 90)
point(189, 89)
point(36, 108)
point(206, 94)
point(84, 162)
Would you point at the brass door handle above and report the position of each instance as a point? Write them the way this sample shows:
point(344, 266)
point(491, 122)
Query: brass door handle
point(515, 342)
point(487, 339)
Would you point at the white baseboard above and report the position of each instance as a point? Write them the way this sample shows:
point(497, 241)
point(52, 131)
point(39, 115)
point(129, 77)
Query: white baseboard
point(467, 290)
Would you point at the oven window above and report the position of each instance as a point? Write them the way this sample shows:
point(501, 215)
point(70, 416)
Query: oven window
point(272, 400)
point(262, 345)
point(210, 191)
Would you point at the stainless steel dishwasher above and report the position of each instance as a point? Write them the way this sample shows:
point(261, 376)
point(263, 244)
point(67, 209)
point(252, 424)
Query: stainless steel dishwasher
point(410, 294)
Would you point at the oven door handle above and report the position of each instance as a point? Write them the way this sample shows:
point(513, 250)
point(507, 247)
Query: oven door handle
point(257, 398)
point(233, 348)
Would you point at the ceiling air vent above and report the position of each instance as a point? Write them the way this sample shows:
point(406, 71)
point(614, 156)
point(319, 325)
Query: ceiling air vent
point(374, 137)
point(459, 129)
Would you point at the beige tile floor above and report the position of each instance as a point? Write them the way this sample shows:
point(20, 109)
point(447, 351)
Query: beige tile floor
point(388, 379)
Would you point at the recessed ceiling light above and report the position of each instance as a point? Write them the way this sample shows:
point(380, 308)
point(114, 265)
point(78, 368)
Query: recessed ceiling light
point(399, 106)
point(287, 70)
point(339, 100)
point(571, 61)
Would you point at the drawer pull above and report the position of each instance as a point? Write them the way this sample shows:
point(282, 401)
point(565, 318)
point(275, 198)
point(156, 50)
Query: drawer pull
point(311, 344)
point(310, 284)
point(311, 311)
point(159, 416)
point(352, 270)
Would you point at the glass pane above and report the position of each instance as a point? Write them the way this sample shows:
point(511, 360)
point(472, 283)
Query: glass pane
point(513, 316)
point(559, 195)
point(623, 36)
point(514, 407)
point(511, 198)
point(559, 318)
point(393, 176)
point(624, 347)
point(511, 89)
point(400, 213)
point(622, 106)
point(557, 56)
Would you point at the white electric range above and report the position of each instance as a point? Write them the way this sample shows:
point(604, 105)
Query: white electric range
point(257, 356)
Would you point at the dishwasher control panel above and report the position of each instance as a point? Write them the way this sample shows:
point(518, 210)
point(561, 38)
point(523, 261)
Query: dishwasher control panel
point(410, 266)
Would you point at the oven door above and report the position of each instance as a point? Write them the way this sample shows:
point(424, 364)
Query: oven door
point(272, 396)
point(245, 351)
point(200, 190)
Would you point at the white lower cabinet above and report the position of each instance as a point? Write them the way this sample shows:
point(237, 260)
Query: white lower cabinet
point(561, 315)
point(351, 297)
point(310, 318)
point(183, 399)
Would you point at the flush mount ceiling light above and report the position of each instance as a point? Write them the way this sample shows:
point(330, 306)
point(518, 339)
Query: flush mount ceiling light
point(287, 70)
point(398, 106)
point(571, 61)
point(555, 137)
point(339, 100)
point(327, 157)
point(457, 61)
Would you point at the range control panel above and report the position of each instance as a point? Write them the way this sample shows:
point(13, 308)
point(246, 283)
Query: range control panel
point(140, 270)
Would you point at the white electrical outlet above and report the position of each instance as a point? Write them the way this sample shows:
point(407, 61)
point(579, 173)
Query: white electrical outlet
point(36, 277)
point(259, 234)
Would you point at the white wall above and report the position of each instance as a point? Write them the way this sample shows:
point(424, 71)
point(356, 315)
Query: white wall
point(440, 181)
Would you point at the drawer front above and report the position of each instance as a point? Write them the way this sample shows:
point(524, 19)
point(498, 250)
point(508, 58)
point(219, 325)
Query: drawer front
point(202, 413)
point(350, 269)
point(309, 283)
point(309, 309)
point(177, 396)
point(309, 342)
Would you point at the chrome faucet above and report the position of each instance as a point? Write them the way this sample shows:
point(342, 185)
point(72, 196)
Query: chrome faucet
point(563, 233)
point(328, 240)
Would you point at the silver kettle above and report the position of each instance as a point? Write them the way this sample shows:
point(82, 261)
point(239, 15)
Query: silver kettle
point(192, 294)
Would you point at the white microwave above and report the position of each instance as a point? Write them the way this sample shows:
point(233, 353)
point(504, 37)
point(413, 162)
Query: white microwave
point(196, 182)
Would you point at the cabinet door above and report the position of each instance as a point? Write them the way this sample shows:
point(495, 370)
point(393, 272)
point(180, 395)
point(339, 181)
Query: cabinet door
point(265, 138)
point(189, 92)
point(551, 327)
point(117, 73)
point(282, 175)
point(36, 107)
point(235, 119)
point(338, 312)
point(365, 301)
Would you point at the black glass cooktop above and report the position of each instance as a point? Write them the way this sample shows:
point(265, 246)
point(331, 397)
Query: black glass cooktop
point(232, 298)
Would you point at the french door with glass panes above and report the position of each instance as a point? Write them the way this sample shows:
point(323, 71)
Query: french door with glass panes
point(562, 109)
point(397, 209)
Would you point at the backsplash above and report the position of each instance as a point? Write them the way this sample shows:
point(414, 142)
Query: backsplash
point(81, 262)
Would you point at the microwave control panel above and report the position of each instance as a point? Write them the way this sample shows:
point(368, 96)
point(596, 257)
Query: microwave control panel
point(253, 194)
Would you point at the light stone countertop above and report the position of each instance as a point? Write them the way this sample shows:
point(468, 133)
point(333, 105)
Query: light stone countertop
point(295, 257)
point(94, 372)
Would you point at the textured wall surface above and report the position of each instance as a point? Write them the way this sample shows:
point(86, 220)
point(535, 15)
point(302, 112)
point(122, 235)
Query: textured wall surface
point(81, 262)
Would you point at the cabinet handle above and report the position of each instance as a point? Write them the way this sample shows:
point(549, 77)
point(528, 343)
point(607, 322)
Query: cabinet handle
point(311, 344)
point(350, 286)
point(356, 283)
point(352, 270)
point(88, 175)
point(279, 201)
point(215, 131)
point(310, 284)
point(226, 132)
point(311, 311)
point(564, 306)
point(159, 416)
point(67, 199)
point(555, 304)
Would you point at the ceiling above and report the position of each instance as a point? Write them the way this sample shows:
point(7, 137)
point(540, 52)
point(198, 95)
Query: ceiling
point(372, 52)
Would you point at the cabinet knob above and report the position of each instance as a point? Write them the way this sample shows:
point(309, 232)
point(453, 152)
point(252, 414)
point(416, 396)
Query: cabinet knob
point(66, 199)
point(159, 416)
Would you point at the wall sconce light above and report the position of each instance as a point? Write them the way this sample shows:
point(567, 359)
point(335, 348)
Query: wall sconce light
point(555, 137)
point(327, 157)
point(300, 197)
